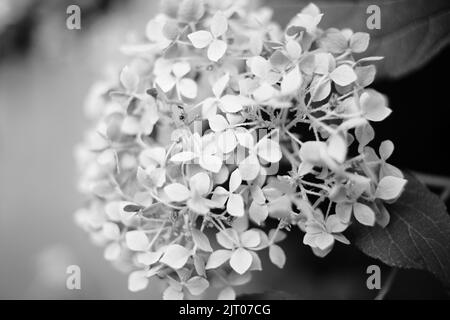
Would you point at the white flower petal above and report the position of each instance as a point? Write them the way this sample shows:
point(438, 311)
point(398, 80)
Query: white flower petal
point(249, 168)
point(216, 50)
point(221, 176)
point(201, 240)
point(209, 108)
point(334, 224)
point(166, 82)
point(183, 156)
point(220, 196)
point(111, 231)
point(219, 24)
point(172, 293)
point(386, 149)
point(175, 256)
point(200, 205)
point(218, 123)
point(200, 182)
point(258, 213)
point(231, 103)
point(322, 62)
point(227, 238)
point(200, 39)
point(293, 49)
point(217, 258)
point(112, 251)
point(241, 260)
point(113, 210)
point(291, 81)
point(359, 42)
point(364, 214)
point(226, 141)
point(337, 148)
point(137, 281)
point(343, 75)
point(269, 150)
point(180, 69)
point(188, 88)
point(235, 180)
point(220, 85)
point(373, 105)
point(149, 257)
point(344, 211)
point(277, 256)
point(130, 125)
point(244, 137)
point(197, 285)
point(177, 192)
point(162, 66)
point(320, 91)
point(324, 241)
point(210, 162)
point(227, 293)
point(235, 205)
point(259, 66)
point(311, 151)
point(250, 238)
point(264, 92)
point(156, 154)
point(129, 79)
point(136, 240)
point(390, 188)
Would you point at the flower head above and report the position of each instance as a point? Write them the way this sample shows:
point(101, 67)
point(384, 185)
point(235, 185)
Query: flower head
point(266, 126)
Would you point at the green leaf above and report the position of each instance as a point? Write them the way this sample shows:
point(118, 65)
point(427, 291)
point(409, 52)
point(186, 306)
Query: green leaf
point(417, 236)
point(412, 32)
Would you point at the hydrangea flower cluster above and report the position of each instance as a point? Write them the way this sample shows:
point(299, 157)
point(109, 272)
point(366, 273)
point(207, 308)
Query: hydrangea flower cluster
point(222, 133)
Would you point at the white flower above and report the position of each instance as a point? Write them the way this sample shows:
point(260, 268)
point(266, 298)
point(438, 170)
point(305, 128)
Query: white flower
point(154, 32)
point(318, 153)
point(227, 103)
point(145, 119)
point(238, 249)
point(226, 132)
point(326, 72)
point(202, 149)
point(308, 18)
point(320, 234)
point(169, 75)
point(195, 195)
point(202, 39)
point(267, 149)
point(152, 161)
point(235, 202)
point(266, 78)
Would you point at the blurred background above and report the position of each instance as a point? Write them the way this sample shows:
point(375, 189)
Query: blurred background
point(45, 73)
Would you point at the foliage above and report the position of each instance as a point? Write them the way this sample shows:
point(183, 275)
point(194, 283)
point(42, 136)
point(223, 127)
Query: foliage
point(418, 235)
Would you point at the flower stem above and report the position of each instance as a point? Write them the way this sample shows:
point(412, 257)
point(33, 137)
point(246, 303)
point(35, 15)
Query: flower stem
point(387, 285)
point(437, 182)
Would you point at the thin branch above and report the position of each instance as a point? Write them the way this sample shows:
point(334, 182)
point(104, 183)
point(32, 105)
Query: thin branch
point(387, 285)
point(437, 182)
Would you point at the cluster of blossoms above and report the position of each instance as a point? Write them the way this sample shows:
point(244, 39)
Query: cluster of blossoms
point(222, 133)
